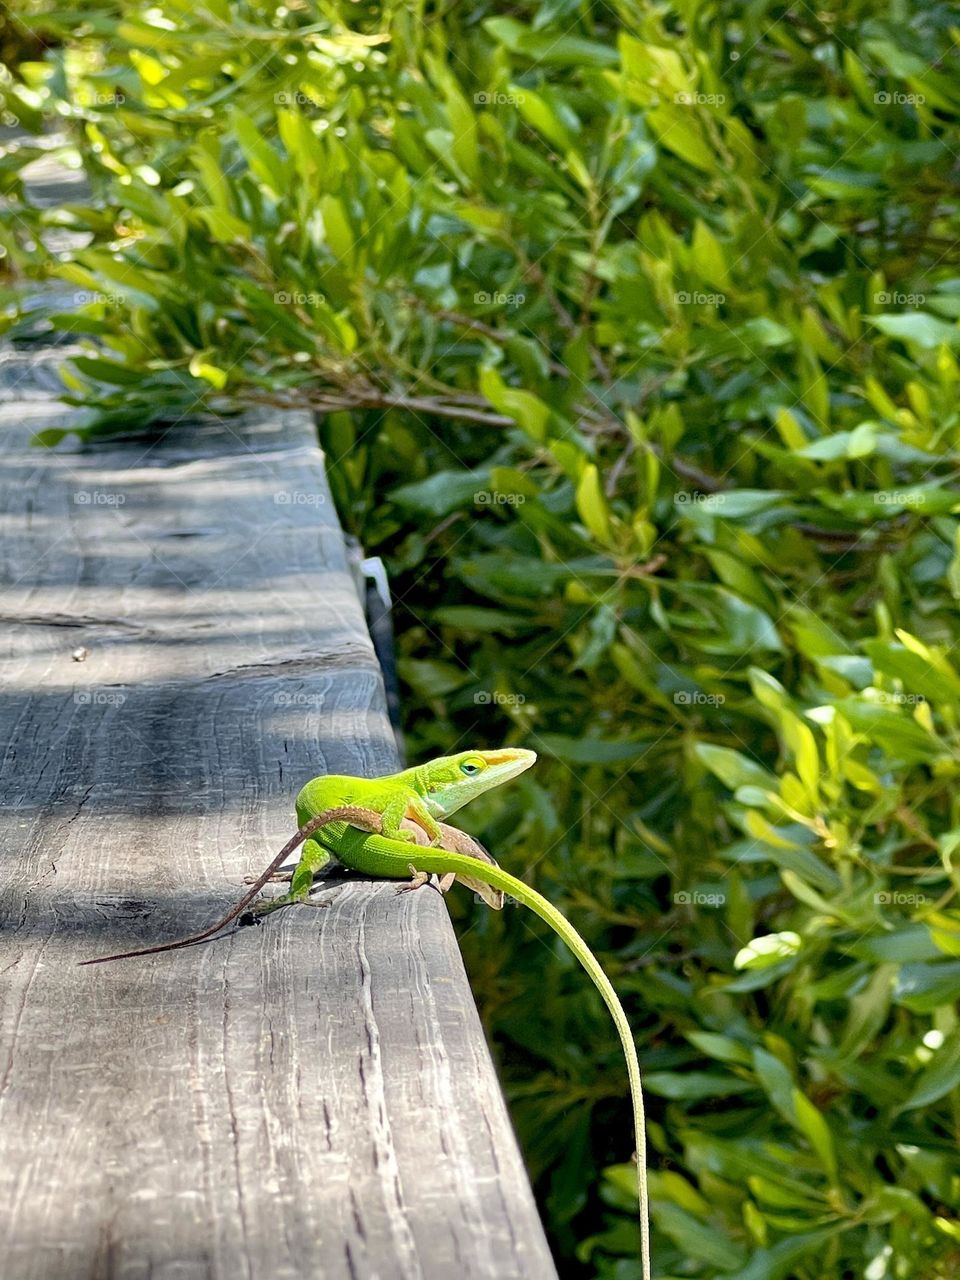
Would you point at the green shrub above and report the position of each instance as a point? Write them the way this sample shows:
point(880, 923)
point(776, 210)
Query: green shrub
point(632, 337)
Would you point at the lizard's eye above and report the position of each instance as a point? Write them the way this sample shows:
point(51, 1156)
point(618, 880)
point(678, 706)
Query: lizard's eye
point(469, 768)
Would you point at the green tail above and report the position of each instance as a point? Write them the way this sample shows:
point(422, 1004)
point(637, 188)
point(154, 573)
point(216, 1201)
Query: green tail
point(380, 856)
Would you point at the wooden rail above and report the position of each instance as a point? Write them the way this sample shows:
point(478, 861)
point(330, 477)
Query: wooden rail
point(183, 647)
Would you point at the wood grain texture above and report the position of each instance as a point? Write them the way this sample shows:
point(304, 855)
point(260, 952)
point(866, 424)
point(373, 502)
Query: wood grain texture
point(310, 1098)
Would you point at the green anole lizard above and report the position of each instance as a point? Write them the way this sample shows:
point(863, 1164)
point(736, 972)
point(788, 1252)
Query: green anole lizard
point(366, 822)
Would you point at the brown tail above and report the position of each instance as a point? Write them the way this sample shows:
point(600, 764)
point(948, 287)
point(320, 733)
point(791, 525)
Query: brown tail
point(367, 819)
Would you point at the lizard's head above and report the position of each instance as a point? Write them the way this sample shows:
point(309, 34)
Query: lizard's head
point(450, 782)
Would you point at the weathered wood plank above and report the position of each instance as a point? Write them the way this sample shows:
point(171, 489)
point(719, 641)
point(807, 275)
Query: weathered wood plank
point(310, 1098)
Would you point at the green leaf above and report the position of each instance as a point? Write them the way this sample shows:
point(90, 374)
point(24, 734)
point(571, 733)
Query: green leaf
point(892, 504)
point(723, 1048)
point(693, 1085)
point(939, 1077)
point(540, 115)
point(444, 492)
point(734, 769)
point(923, 670)
point(695, 1238)
point(108, 371)
point(525, 408)
point(592, 506)
point(867, 440)
point(336, 228)
point(811, 1123)
point(868, 1012)
point(549, 49)
point(900, 736)
point(265, 163)
point(909, 943)
point(779, 1261)
point(737, 628)
point(732, 504)
point(473, 618)
point(925, 988)
point(431, 678)
point(676, 127)
point(795, 1107)
point(923, 330)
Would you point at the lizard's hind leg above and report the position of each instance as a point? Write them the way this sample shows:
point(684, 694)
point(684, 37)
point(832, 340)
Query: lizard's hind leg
point(456, 841)
point(417, 880)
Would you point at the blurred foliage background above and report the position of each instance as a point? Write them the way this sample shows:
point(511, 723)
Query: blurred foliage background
point(631, 329)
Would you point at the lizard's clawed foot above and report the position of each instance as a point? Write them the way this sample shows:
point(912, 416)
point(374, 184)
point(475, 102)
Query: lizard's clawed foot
point(278, 877)
point(264, 906)
point(320, 902)
point(420, 878)
point(417, 881)
point(402, 833)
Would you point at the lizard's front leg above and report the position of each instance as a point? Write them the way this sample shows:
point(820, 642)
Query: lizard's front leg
point(314, 857)
point(406, 817)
